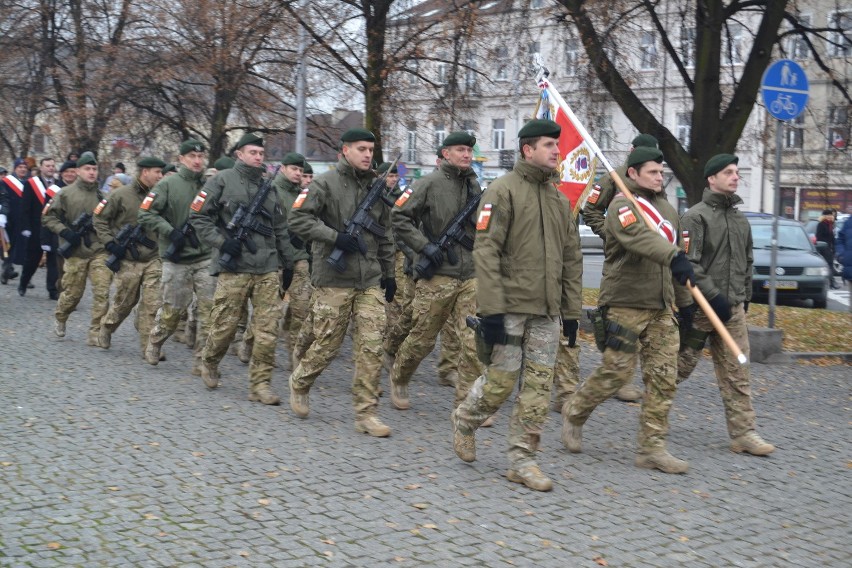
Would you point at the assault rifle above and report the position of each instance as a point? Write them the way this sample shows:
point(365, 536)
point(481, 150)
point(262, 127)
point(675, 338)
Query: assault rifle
point(453, 233)
point(362, 221)
point(128, 238)
point(82, 225)
point(172, 253)
point(247, 219)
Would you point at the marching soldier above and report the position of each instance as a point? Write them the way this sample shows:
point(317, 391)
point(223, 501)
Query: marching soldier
point(307, 175)
point(448, 291)
point(88, 257)
point(186, 259)
point(137, 278)
point(720, 249)
point(254, 275)
point(319, 215)
point(638, 318)
point(529, 273)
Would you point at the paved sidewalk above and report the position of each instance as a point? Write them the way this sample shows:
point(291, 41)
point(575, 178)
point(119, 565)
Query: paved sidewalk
point(106, 461)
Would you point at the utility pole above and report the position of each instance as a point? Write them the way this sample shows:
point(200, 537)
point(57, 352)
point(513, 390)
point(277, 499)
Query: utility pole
point(301, 80)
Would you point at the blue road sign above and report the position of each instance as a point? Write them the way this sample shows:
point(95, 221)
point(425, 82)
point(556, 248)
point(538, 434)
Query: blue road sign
point(785, 89)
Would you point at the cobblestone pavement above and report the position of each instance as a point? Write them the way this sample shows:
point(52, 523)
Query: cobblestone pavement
point(106, 461)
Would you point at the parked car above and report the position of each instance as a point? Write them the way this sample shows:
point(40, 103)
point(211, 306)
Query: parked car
point(801, 272)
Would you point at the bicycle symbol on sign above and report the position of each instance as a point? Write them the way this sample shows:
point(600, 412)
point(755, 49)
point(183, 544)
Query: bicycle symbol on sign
point(785, 103)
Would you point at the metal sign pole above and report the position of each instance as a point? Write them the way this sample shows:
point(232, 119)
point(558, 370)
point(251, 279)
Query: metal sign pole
point(776, 211)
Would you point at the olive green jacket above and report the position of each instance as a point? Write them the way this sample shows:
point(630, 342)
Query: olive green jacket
point(428, 206)
point(593, 213)
point(166, 207)
point(527, 249)
point(637, 265)
point(720, 246)
point(287, 194)
point(120, 208)
point(66, 207)
point(331, 201)
point(215, 205)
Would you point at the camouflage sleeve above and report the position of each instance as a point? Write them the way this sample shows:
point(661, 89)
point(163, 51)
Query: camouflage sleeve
point(150, 214)
point(306, 215)
point(572, 272)
point(204, 212)
point(492, 227)
point(102, 218)
point(406, 214)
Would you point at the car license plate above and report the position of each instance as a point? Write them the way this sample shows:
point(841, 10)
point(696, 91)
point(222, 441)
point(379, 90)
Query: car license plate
point(783, 284)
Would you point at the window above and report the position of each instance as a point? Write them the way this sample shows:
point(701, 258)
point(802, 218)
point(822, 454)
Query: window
point(470, 71)
point(838, 127)
point(797, 47)
point(572, 56)
point(469, 126)
point(648, 47)
point(734, 45)
point(603, 131)
point(441, 73)
point(502, 64)
point(498, 133)
point(411, 144)
point(687, 47)
point(440, 134)
point(794, 133)
point(684, 128)
point(839, 42)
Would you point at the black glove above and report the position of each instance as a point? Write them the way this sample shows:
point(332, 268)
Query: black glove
point(296, 241)
point(569, 330)
point(493, 329)
point(116, 249)
point(389, 286)
point(70, 236)
point(721, 306)
point(233, 247)
point(745, 307)
point(287, 278)
point(434, 254)
point(177, 238)
point(682, 269)
point(347, 242)
point(686, 315)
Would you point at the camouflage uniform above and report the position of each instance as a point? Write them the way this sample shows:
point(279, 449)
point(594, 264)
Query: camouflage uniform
point(137, 280)
point(567, 373)
point(399, 311)
point(80, 197)
point(451, 352)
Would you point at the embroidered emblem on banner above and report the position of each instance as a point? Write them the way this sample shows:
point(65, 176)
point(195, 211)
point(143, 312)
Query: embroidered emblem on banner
point(626, 216)
point(199, 200)
point(403, 198)
point(149, 199)
point(484, 218)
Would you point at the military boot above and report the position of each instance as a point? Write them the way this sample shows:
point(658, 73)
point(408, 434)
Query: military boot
point(152, 353)
point(489, 422)
point(572, 434)
point(629, 393)
point(92, 340)
point(531, 476)
point(399, 394)
point(263, 394)
point(448, 380)
point(662, 460)
point(210, 375)
point(59, 328)
point(104, 337)
point(751, 443)
point(559, 402)
point(373, 426)
point(299, 402)
point(464, 444)
point(244, 351)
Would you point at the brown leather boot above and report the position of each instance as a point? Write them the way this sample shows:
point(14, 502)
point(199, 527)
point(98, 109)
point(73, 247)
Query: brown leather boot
point(661, 460)
point(751, 443)
point(531, 476)
point(265, 395)
point(373, 426)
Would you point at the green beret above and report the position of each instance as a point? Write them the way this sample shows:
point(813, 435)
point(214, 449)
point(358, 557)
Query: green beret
point(249, 138)
point(150, 162)
point(307, 169)
point(169, 168)
point(718, 163)
point(642, 154)
point(293, 159)
point(536, 128)
point(87, 159)
point(645, 140)
point(384, 167)
point(224, 163)
point(459, 138)
point(357, 135)
point(191, 145)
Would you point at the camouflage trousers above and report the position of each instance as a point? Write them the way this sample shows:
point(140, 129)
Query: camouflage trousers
point(73, 285)
point(732, 378)
point(332, 310)
point(439, 301)
point(656, 349)
point(229, 300)
point(567, 374)
point(533, 363)
point(136, 283)
point(305, 336)
point(180, 283)
point(398, 312)
point(299, 304)
point(452, 351)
